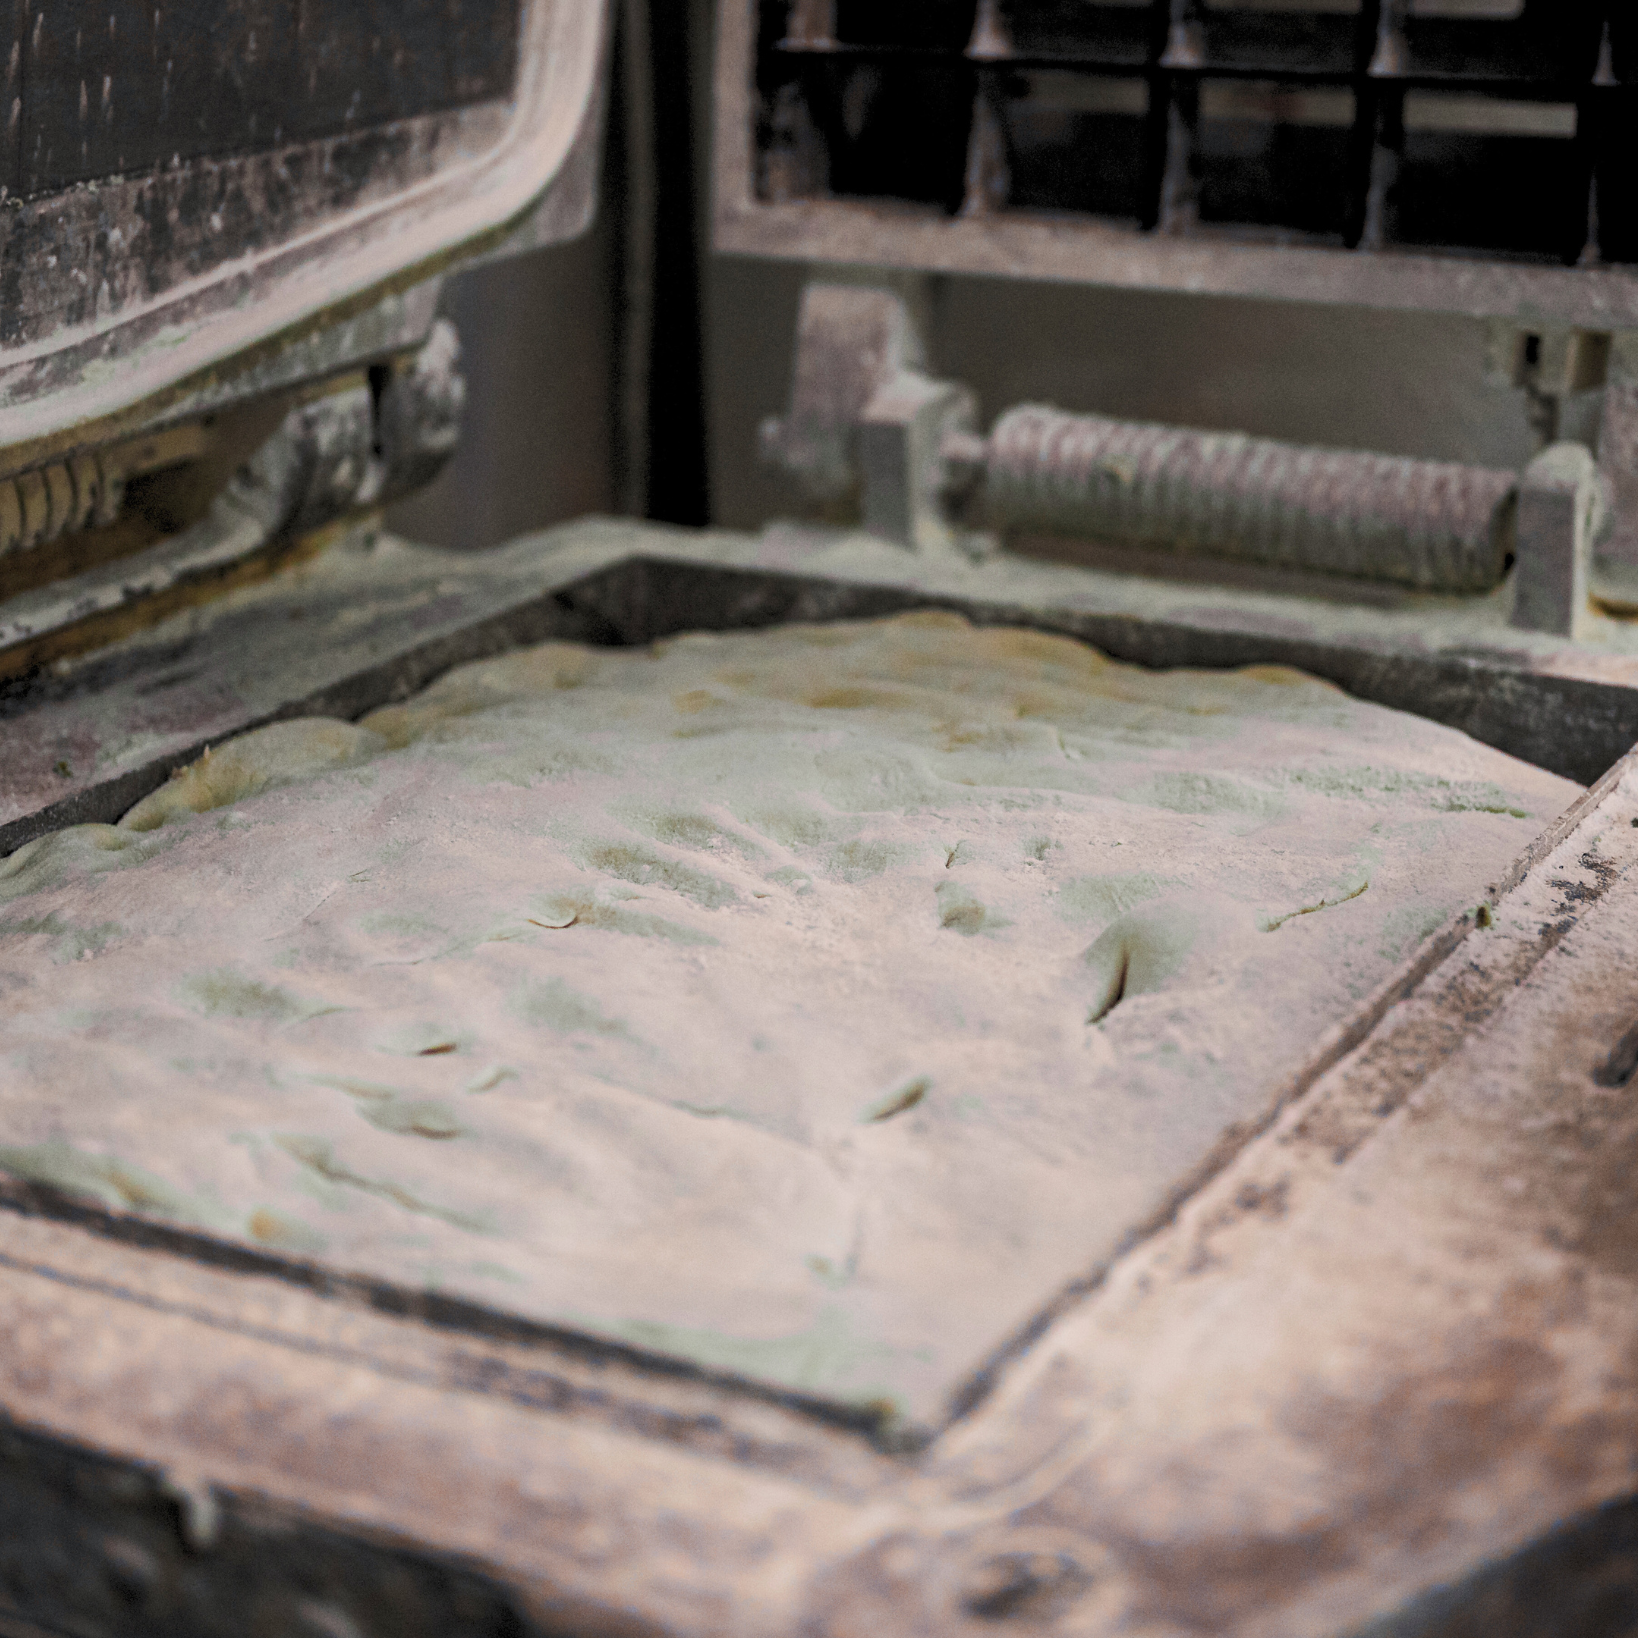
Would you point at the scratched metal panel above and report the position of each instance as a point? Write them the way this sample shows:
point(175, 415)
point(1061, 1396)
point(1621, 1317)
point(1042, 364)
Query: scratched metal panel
point(221, 228)
point(64, 119)
point(229, 73)
point(124, 86)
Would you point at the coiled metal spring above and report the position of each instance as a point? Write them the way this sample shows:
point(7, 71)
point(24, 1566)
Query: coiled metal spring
point(36, 507)
point(1434, 525)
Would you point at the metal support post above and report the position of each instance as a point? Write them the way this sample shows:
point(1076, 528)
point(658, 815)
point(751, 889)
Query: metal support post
point(1563, 504)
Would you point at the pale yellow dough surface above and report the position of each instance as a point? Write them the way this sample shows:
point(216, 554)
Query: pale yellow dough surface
point(813, 1003)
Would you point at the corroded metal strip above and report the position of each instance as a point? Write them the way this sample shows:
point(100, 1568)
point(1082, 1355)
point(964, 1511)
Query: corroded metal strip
point(1429, 524)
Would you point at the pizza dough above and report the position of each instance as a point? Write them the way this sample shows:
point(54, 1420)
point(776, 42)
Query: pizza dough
point(812, 1004)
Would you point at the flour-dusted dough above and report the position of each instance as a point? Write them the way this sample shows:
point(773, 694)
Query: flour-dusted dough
point(279, 754)
point(811, 1003)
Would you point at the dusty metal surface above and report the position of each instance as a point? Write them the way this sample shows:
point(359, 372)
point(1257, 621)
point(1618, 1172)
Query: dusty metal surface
point(866, 421)
point(1398, 1323)
point(851, 343)
point(1371, 1369)
point(869, 429)
point(294, 230)
point(1562, 509)
point(398, 322)
point(66, 497)
point(1373, 1372)
point(1615, 562)
point(367, 622)
point(1566, 707)
point(254, 77)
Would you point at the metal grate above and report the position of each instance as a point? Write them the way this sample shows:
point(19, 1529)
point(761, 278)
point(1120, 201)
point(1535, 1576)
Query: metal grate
point(1492, 127)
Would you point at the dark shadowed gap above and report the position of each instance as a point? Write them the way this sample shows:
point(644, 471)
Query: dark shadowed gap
point(677, 488)
point(1579, 1582)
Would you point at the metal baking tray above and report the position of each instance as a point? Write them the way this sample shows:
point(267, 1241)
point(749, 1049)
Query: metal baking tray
point(1363, 1372)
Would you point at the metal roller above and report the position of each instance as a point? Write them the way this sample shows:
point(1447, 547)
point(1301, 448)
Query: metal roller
point(1433, 525)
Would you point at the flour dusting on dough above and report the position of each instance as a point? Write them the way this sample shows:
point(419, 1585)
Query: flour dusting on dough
point(812, 1002)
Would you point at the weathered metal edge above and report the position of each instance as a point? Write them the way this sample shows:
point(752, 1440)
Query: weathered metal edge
point(1331, 1048)
point(1580, 1581)
point(1070, 1405)
point(450, 1315)
point(488, 622)
point(1019, 244)
point(575, 1519)
point(419, 1336)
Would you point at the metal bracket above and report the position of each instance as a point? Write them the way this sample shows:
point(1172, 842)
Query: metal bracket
point(1563, 505)
point(1582, 389)
point(1561, 371)
point(865, 418)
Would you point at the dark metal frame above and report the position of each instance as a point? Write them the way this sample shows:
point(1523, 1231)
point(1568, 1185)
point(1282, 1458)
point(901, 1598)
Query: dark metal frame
point(123, 294)
point(1035, 245)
